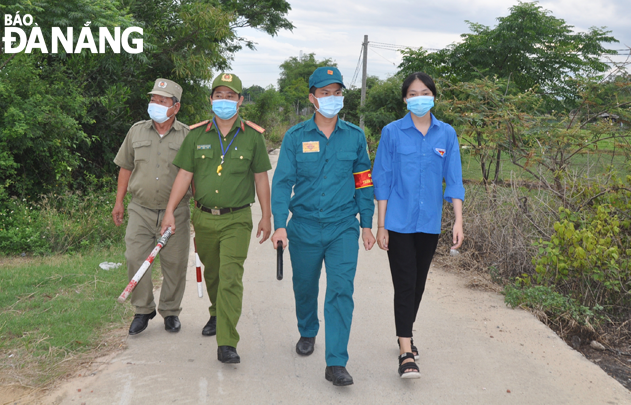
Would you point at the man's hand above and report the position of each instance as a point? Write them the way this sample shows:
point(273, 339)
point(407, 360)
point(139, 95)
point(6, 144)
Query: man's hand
point(280, 234)
point(265, 227)
point(118, 213)
point(369, 240)
point(168, 222)
point(458, 235)
point(383, 237)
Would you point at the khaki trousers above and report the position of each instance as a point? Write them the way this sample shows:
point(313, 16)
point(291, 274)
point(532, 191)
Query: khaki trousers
point(143, 231)
point(222, 245)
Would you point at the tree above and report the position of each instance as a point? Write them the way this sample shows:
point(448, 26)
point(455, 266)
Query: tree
point(293, 83)
point(530, 47)
point(75, 109)
point(352, 100)
point(384, 104)
point(252, 93)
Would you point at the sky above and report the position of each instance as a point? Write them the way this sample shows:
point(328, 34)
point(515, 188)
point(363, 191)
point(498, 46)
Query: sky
point(335, 29)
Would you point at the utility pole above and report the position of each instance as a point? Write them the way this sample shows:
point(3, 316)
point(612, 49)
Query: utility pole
point(364, 73)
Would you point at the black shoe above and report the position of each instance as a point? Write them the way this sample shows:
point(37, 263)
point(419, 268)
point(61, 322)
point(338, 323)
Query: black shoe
point(172, 323)
point(338, 375)
point(211, 327)
point(140, 322)
point(305, 345)
point(228, 354)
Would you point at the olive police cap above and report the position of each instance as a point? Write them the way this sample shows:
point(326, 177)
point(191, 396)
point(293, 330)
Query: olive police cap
point(323, 76)
point(229, 80)
point(167, 88)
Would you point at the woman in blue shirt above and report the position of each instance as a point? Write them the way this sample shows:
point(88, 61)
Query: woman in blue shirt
point(415, 155)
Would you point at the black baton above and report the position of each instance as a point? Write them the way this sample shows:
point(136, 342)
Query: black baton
point(279, 260)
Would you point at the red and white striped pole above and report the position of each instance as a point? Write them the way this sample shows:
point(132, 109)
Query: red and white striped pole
point(145, 265)
point(198, 271)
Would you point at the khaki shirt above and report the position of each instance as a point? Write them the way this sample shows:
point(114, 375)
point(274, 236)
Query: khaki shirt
point(150, 159)
point(234, 186)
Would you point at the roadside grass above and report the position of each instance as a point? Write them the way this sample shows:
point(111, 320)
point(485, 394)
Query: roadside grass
point(594, 162)
point(57, 311)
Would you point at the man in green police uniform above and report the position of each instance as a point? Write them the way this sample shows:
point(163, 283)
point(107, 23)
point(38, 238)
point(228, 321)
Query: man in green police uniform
point(224, 158)
point(146, 171)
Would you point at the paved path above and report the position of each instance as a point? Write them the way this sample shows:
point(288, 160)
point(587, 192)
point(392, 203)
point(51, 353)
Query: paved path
point(474, 350)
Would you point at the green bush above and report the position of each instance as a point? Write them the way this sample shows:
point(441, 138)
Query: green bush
point(68, 222)
point(554, 304)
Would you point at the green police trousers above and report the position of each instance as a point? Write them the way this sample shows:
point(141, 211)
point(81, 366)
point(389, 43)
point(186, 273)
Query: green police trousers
point(222, 244)
point(143, 231)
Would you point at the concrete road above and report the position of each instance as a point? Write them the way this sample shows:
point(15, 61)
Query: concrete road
point(474, 350)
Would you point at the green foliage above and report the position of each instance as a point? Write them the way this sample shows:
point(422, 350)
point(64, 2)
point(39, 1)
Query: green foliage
point(252, 93)
point(530, 47)
point(67, 222)
point(64, 116)
point(588, 255)
point(384, 104)
point(293, 82)
point(555, 305)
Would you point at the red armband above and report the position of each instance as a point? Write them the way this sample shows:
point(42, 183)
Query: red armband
point(363, 179)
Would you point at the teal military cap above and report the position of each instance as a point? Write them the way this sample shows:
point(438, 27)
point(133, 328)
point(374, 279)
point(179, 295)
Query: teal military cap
point(323, 76)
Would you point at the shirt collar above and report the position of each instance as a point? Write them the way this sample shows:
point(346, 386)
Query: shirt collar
point(175, 126)
point(407, 122)
point(238, 123)
point(339, 124)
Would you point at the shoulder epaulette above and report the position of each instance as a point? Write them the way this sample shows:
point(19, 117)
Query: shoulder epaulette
point(199, 124)
point(140, 122)
point(255, 127)
point(350, 124)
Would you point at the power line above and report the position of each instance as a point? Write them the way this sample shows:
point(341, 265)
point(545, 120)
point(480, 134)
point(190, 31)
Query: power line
point(359, 63)
point(393, 64)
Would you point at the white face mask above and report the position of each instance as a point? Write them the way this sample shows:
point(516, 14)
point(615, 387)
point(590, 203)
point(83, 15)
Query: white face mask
point(330, 106)
point(158, 112)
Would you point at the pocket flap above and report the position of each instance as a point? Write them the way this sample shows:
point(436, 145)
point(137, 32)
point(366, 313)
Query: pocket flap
point(307, 157)
point(204, 154)
point(140, 144)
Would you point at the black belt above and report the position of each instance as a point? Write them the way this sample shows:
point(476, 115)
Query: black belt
point(220, 211)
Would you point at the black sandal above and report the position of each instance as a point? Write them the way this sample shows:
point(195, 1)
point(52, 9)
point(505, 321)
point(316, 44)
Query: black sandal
point(414, 349)
point(415, 373)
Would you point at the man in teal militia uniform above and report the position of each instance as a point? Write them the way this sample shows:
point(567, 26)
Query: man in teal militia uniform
point(224, 158)
point(325, 161)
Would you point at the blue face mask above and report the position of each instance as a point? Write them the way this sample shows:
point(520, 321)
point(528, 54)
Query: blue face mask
point(158, 112)
point(225, 109)
point(420, 105)
point(330, 106)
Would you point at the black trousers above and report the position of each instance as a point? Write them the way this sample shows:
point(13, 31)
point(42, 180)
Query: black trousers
point(410, 255)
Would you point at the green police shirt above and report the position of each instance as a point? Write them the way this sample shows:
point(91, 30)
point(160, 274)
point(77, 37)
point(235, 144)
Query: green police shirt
point(233, 186)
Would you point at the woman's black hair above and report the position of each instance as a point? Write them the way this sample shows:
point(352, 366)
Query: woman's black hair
point(424, 77)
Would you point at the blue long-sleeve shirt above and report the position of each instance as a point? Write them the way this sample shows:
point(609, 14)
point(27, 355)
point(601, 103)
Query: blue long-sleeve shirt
point(409, 171)
point(320, 172)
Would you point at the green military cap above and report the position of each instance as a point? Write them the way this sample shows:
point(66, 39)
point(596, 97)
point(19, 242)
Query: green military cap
point(229, 80)
point(167, 88)
point(323, 76)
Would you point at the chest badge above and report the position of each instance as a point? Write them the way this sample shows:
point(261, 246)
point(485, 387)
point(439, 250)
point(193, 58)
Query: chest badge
point(440, 151)
point(201, 147)
point(311, 147)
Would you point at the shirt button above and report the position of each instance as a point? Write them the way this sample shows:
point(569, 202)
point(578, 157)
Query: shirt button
point(327, 160)
point(156, 178)
point(321, 210)
point(240, 157)
point(157, 165)
point(322, 194)
point(158, 153)
point(325, 177)
point(217, 191)
point(219, 174)
point(203, 156)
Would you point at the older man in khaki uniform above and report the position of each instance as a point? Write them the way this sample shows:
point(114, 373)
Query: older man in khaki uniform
point(146, 170)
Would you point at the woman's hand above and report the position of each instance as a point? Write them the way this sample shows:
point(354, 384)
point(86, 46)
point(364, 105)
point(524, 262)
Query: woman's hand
point(383, 237)
point(458, 234)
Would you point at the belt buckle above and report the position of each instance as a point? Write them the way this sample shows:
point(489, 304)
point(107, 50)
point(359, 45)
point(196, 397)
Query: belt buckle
point(215, 211)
